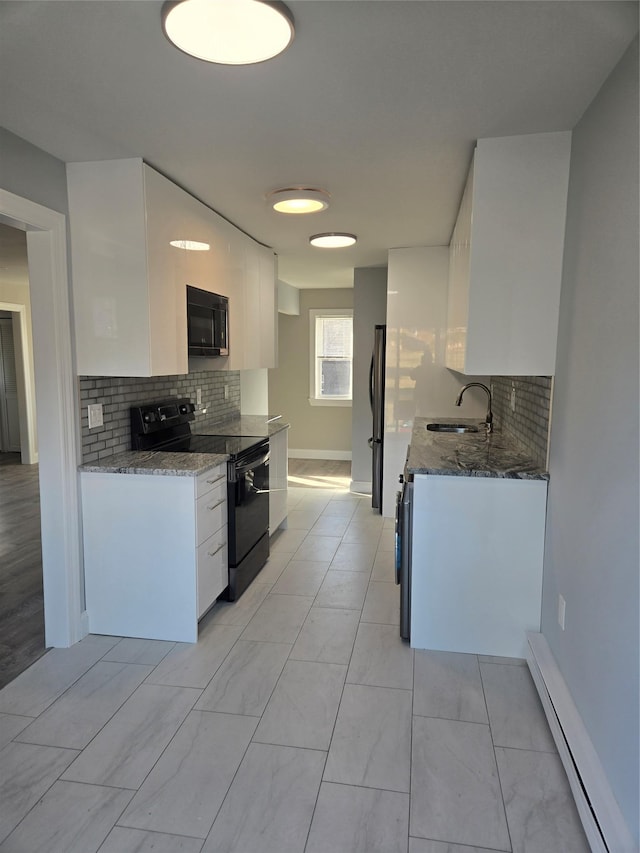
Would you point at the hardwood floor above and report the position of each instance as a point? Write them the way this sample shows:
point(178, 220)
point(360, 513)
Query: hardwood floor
point(319, 473)
point(21, 597)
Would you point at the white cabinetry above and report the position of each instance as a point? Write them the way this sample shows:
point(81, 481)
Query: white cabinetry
point(505, 262)
point(278, 472)
point(477, 554)
point(129, 283)
point(253, 332)
point(155, 552)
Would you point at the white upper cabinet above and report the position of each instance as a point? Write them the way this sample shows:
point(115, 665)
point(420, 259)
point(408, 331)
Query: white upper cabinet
point(129, 283)
point(254, 321)
point(505, 257)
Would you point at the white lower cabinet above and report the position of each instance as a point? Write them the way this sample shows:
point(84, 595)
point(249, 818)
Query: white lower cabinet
point(477, 553)
point(155, 551)
point(278, 472)
point(211, 535)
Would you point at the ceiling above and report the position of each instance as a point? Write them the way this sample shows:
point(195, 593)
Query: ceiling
point(377, 101)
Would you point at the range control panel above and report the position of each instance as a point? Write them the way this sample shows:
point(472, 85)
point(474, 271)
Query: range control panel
point(153, 417)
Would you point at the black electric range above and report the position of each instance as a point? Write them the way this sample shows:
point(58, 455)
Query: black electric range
point(166, 426)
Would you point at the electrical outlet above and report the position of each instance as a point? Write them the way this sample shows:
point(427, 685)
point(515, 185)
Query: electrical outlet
point(562, 607)
point(513, 398)
point(198, 396)
point(94, 413)
point(226, 392)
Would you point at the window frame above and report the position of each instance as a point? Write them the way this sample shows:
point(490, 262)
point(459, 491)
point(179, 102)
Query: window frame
point(314, 314)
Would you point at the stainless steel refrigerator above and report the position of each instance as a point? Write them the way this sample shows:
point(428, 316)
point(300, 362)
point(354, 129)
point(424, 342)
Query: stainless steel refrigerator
point(376, 398)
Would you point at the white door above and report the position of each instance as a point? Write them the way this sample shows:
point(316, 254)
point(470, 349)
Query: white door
point(9, 413)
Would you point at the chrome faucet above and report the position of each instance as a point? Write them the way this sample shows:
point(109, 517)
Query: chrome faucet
point(489, 416)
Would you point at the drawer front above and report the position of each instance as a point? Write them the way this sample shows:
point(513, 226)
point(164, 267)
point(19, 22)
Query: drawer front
point(211, 512)
point(211, 480)
point(213, 572)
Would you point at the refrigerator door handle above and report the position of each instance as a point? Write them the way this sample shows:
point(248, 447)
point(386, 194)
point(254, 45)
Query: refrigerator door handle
point(371, 384)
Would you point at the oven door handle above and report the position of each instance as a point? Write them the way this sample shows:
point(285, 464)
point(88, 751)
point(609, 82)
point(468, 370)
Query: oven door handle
point(399, 538)
point(261, 459)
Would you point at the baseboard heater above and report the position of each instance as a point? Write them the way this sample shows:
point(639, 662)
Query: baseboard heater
point(599, 812)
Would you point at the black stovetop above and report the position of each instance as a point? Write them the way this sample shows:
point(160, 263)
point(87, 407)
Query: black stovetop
point(165, 425)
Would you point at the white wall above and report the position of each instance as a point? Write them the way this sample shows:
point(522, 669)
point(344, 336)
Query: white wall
point(369, 310)
point(288, 298)
point(591, 555)
point(254, 391)
point(322, 432)
point(417, 382)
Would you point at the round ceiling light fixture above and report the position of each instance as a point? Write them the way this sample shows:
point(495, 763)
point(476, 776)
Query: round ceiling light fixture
point(333, 240)
point(228, 32)
point(298, 200)
point(190, 245)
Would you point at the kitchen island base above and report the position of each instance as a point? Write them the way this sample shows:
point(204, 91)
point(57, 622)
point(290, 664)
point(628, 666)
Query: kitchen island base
point(477, 555)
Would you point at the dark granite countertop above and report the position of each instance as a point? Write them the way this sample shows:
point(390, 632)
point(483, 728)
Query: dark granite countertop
point(470, 454)
point(244, 425)
point(156, 462)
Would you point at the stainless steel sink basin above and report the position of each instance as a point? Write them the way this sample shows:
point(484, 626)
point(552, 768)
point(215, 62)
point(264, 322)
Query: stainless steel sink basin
point(452, 428)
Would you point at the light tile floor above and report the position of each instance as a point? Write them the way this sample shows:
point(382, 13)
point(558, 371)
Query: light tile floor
point(299, 722)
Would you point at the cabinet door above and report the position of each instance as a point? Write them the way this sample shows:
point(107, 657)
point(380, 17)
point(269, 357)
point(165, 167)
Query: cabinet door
point(458, 295)
point(253, 308)
point(478, 545)
point(506, 257)
point(278, 471)
point(167, 219)
point(109, 268)
point(211, 512)
point(268, 309)
point(213, 573)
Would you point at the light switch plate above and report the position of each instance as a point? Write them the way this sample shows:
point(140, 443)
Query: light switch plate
point(94, 411)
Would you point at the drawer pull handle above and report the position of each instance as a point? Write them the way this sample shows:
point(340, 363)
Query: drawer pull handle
point(219, 548)
point(217, 480)
point(215, 506)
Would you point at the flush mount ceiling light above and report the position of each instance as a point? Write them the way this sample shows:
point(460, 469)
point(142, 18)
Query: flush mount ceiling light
point(229, 32)
point(190, 245)
point(298, 200)
point(333, 240)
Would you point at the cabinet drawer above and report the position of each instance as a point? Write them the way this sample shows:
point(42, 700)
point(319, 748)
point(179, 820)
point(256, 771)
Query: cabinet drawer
point(213, 572)
point(210, 480)
point(211, 512)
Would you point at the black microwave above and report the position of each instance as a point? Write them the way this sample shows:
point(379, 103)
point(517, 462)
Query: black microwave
point(207, 323)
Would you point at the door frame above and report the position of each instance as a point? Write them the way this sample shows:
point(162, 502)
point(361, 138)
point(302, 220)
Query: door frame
point(56, 416)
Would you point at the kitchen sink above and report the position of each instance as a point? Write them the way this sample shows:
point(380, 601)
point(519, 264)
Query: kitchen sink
point(452, 428)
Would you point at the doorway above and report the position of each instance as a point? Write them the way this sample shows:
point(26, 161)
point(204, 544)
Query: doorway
point(56, 394)
point(21, 586)
point(9, 410)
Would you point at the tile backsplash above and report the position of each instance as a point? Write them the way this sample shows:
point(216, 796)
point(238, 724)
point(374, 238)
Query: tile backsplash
point(528, 425)
point(118, 394)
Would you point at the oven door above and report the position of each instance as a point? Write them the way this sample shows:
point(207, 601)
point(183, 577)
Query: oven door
point(248, 502)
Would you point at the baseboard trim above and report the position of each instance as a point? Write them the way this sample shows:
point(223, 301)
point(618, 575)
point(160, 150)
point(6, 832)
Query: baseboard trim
point(603, 822)
point(360, 488)
point(339, 455)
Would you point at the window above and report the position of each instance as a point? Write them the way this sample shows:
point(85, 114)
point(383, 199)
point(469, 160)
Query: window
point(331, 373)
